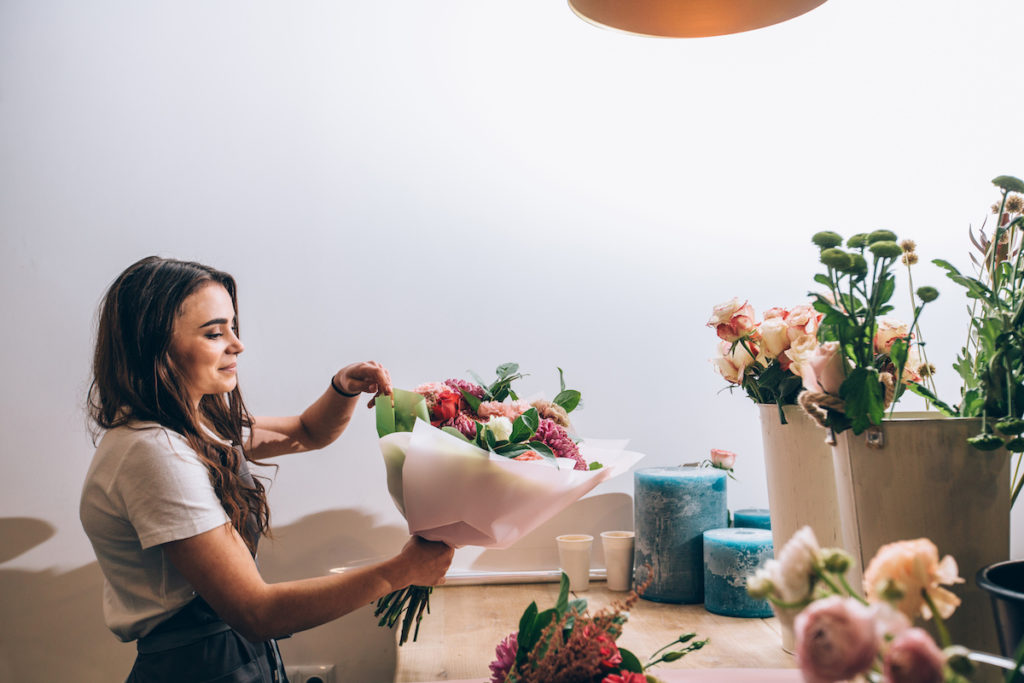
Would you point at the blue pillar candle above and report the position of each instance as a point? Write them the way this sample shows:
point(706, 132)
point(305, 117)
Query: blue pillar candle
point(731, 556)
point(753, 518)
point(673, 508)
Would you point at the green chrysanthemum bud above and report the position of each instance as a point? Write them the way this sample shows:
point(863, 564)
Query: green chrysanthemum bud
point(985, 442)
point(885, 249)
point(1008, 183)
point(1010, 425)
point(858, 265)
point(836, 258)
point(958, 660)
point(1015, 445)
point(927, 294)
point(836, 560)
point(858, 241)
point(827, 239)
point(882, 236)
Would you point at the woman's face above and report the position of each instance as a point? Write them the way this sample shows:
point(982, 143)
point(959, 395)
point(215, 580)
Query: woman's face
point(204, 346)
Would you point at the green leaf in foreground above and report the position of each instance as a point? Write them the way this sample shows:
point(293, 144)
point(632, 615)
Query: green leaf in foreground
point(864, 396)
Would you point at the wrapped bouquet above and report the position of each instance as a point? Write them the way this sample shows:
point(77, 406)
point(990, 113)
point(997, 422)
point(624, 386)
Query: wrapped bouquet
point(471, 463)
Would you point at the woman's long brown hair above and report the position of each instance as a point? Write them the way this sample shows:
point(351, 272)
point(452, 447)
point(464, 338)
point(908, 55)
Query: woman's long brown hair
point(135, 379)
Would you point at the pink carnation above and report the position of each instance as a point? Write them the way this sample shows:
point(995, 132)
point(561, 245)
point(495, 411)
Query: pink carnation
point(505, 654)
point(468, 387)
point(510, 410)
point(554, 436)
point(464, 423)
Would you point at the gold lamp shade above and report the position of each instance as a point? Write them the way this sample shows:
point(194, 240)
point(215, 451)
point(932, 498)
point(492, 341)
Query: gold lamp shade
point(689, 18)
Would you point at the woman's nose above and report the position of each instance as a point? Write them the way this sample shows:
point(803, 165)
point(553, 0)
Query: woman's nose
point(236, 346)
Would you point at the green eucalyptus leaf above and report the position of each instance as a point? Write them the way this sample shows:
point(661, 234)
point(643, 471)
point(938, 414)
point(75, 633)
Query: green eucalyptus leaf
point(630, 662)
point(568, 399)
point(594, 465)
point(563, 595)
point(506, 370)
point(471, 400)
point(864, 396)
point(561, 380)
point(527, 635)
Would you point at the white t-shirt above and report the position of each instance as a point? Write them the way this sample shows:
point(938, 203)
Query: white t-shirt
point(145, 487)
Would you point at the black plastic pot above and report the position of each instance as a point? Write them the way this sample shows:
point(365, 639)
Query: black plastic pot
point(1004, 582)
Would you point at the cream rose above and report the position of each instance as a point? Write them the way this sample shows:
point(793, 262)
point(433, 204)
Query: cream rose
point(731, 364)
point(732, 320)
point(801, 320)
point(889, 330)
point(774, 336)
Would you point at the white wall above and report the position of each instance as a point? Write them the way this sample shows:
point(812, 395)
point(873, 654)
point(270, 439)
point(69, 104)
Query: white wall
point(442, 186)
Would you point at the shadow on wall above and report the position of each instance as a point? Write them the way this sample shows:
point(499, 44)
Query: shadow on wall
point(52, 628)
point(51, 623)
point(538, 551)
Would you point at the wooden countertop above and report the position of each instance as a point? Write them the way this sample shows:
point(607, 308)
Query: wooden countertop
point(457, 639)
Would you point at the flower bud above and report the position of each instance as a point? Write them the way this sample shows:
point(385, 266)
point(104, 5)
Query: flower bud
point(836, 258)
point(672, 656)
point(858, 241)
point(958, 661)
point(1015, 445)
point(858, 265)
point(909, 259)
point(1010, 425)
point(1008, 183)
point(882, 236)
point(908, 246)
point(927, 294)
point(985, 442)
point(885, 249)
point(827, 239)
point(836, 560)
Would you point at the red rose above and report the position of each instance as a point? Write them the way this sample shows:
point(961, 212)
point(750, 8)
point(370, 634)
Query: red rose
point(447, 406)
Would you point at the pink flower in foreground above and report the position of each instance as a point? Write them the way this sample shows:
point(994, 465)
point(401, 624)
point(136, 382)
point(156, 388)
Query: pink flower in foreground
point(732, 319)
point(723, 460)
point(836, 640)
point(624, 677)
point(505, 654)
point(913, 568)
point(823, 369)
point(913, 657)
point(511, 410)
point(554, 436)
point(732, 364)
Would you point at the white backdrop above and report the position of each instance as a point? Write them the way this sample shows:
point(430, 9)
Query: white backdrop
point(449, 185)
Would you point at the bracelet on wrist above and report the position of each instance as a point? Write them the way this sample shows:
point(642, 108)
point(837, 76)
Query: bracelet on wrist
point(340, 391)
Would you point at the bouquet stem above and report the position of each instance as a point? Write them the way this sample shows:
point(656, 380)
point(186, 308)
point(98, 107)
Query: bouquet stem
point(410, 601)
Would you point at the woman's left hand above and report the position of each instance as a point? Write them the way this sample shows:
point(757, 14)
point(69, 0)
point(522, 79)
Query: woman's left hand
point(367, 377)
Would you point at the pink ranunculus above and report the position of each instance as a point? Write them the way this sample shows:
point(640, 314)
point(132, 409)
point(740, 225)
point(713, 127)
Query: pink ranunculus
point(792, 572)
point(835, 640)
point(823, 370)
point(732, 320)
point(731, 364)
point(801, 320)
point(913, 657)
point(914, 568)
point(774, 336)
point(723, 460)
point(889, 330)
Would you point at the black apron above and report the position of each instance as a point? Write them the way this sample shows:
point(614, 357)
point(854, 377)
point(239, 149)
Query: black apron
point(197, 646)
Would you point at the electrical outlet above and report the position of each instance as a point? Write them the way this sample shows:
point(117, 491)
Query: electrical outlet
point(310, 673)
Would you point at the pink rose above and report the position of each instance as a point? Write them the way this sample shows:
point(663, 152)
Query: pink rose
point(732, 320)
point(802, 319)
point(774, 337)
point(723, 460)
point(731, 364)
point(776, 312)
point(823, 369)
point(913, 657)
point(836, 640)
point(889, 330)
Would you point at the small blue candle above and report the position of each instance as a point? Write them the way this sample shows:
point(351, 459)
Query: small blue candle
point(731, 556)
point(752, 518)
point(673, 508)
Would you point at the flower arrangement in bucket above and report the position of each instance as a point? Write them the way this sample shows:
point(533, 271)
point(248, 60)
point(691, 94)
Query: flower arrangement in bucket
point(471, 463)
point(764, 357)
point(567, 644)
point(866, 359)
point(991, 362)
point(842, 635)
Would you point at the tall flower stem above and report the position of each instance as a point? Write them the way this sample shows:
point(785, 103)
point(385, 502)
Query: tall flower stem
point(940, 625)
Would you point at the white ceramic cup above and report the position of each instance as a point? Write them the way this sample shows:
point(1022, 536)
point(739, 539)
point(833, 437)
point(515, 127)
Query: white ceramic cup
point(574, 557)
point(618, 558)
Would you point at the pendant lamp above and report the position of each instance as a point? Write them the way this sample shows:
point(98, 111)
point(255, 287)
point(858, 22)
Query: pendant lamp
point(689, 18)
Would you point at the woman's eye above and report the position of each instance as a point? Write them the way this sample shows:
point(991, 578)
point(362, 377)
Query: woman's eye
point(214, 335)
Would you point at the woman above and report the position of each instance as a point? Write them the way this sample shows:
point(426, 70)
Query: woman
point(169, 505)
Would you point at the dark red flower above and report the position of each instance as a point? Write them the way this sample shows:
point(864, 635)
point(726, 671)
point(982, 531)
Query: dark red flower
point(447, 406)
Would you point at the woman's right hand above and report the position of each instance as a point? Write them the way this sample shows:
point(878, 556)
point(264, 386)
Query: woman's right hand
point(426, 561)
